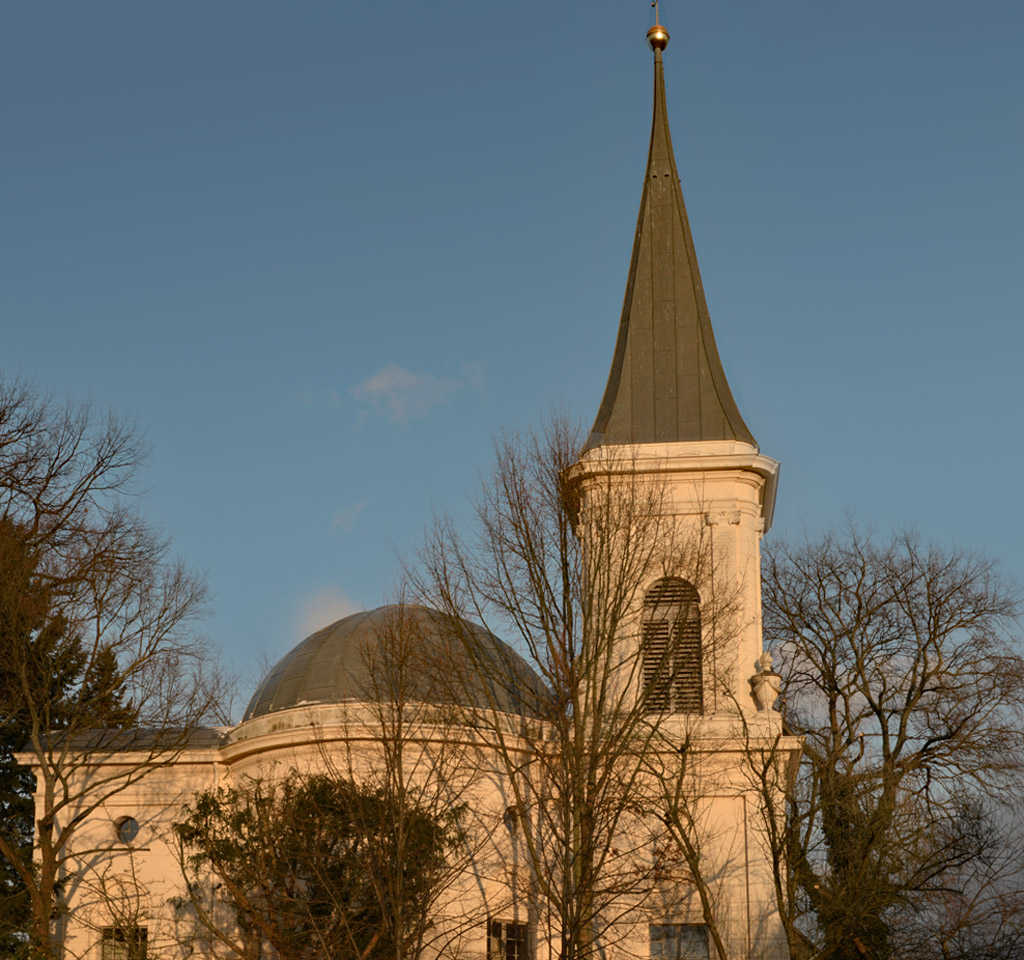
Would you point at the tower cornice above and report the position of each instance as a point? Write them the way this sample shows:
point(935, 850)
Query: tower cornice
point(699, 461)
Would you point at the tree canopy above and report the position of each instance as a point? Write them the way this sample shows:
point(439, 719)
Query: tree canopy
point(96, 634)
point(903, 672)
point(315, 865)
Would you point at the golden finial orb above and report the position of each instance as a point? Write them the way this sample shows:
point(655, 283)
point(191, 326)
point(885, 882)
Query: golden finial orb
point(657, 37)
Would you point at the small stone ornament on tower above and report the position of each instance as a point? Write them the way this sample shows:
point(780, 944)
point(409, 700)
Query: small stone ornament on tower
point(766, 684)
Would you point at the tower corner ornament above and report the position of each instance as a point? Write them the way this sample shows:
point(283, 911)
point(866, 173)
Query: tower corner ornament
point(766, 684)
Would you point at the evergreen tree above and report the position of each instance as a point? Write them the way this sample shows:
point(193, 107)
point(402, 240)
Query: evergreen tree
point(16, 786)
point(23, 614)
point(38, 653)
point(314, 866)
point(96, 634)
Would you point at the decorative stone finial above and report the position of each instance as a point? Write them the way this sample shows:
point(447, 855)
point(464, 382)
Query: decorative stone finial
point(766, 684)
point(657, 37)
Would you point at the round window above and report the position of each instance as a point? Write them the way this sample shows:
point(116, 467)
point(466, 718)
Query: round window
point(127, 829)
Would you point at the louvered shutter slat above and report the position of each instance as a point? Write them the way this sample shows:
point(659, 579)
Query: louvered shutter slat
point(672, 655)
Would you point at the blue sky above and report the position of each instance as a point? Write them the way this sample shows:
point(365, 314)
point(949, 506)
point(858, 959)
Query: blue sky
point(322, 252)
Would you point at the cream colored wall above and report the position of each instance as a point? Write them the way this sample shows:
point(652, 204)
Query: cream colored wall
point(144, 877)
point(109, 883)
point(716, 501)
point(112, 884)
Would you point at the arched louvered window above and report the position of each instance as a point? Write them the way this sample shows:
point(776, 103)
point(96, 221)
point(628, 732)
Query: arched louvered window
point(673, 668)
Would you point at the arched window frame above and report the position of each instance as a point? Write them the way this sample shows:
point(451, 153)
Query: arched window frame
point(672, 648)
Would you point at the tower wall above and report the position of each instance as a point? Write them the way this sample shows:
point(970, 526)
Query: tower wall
point(714, 501)
point(718, 776)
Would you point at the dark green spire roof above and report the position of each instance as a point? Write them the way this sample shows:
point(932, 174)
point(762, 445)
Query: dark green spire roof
point(666, 383)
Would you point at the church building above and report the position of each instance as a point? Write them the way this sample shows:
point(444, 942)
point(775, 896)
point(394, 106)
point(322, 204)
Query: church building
point(671, 497)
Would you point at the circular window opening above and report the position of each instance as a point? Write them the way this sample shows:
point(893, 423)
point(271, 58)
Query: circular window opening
point(127, 829)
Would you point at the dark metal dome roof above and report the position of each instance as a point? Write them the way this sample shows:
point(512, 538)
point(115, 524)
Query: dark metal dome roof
point(402, 650)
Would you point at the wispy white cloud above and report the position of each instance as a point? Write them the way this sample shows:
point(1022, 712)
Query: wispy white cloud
point(345, 517)
point(401, 395)
point(321, 608)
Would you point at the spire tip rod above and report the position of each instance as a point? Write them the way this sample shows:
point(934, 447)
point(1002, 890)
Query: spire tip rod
point(657, 36)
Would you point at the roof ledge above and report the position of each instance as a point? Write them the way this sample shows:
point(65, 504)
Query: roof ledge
point(704, 456)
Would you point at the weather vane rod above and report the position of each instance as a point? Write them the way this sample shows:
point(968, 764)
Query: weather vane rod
point(657, 22)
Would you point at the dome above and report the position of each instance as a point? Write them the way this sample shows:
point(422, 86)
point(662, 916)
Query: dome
point(359, 657)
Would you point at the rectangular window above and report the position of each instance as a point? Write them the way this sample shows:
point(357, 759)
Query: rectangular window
point(124, 943)
point(679, 941)
point(507, 940)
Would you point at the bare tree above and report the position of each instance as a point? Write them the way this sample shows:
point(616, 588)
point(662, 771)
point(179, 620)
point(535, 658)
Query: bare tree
point(902, 673)
point(418, 758)
point(561, 564)
point(750, 768)
point(99, 654)
point(113, 903)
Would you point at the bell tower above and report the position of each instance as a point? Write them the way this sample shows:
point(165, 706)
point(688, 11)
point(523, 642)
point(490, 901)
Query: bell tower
point(668, 420)
point(672, 498)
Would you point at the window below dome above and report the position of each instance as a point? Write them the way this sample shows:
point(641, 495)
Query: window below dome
point(124, 943)
point(507, 940)
point(679, 941)
point(126, 829)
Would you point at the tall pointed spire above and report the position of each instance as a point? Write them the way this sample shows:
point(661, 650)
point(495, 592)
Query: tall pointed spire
point(666, 383)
